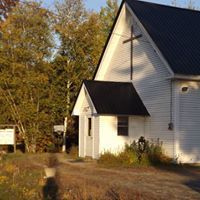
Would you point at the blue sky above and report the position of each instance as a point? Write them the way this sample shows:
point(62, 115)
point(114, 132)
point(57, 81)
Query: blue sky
point(97, 4)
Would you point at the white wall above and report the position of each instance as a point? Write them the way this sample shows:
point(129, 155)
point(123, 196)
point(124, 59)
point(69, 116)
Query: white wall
point(188, 130)
point(112, 45)
point(88, 144)
point(108, 138)
point(149, 78)
point(81, 137)
point(96, 127)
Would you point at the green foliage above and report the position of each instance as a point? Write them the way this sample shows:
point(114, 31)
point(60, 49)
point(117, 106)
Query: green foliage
point(129, 157)
point(81, 43)
point(152, 153)
point(38, 85)
point(109, 159)
point(5, 7)
point(107, 15)
point(26, 44)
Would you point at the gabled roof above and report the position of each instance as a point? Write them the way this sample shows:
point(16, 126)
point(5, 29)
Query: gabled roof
point(175, 31)
point(115, 98)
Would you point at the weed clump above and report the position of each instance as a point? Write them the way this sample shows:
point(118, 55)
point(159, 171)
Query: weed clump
point(138, 153)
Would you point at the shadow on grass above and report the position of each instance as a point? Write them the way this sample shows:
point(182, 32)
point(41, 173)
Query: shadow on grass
point(191, 172)
point(193, 184)
point(50, 190)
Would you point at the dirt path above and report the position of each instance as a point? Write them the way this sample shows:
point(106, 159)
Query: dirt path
point(90, 180)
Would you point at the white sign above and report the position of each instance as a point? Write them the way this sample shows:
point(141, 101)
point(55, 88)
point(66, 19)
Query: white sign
point(7, 136)
point(58, 128)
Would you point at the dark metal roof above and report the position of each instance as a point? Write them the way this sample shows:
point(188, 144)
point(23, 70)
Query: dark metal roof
point(175, 31)
point(115, 98)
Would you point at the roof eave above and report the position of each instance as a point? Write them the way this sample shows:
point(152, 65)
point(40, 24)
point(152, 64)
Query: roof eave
point(115, 114)
point(90, 100)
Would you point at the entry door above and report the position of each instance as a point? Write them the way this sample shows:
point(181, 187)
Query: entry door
point(89, 137)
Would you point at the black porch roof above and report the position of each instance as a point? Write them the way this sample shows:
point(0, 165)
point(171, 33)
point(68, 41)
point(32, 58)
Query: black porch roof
point(115, 98)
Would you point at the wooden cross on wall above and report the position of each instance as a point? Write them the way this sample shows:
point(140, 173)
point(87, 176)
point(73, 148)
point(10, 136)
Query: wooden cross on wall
point(131, 40)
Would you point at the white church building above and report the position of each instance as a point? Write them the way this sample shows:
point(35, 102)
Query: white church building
point(147, 84)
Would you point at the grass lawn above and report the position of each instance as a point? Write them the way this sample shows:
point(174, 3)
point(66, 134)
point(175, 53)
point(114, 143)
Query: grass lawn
point(22, 177)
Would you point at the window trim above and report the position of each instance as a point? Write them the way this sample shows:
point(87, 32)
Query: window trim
point(119, 132)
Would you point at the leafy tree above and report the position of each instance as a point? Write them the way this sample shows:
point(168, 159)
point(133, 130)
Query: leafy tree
point(81, 42)
point(25, 47)
point(174, 2)
point(5, 7)
point(107, 15)
point(190, 4)
point(36, 93)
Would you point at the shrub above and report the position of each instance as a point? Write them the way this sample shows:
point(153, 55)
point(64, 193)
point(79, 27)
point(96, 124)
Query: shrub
point(73, 153)
point(127, 158)
point(109, 159)
point(140, 153)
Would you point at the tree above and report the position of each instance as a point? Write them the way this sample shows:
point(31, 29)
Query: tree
point(81, 42)
point(25, 48)
point(5, 7)
point(107, 15)
point(190, 4)
point(82, 36)
point(174, 3)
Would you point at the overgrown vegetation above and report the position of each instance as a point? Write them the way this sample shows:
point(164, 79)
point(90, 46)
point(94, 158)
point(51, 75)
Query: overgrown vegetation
point(136, 154)
point(44, 56)
point(22, 177)
point(19, 179)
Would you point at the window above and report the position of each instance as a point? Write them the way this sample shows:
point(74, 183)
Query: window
point(89, 126)
point(122, 126)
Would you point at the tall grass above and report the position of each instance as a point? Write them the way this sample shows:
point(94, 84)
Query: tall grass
point(132, 156)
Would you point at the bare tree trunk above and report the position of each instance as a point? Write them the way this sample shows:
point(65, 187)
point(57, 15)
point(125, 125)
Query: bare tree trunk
point(15, 114)
point(66, 118)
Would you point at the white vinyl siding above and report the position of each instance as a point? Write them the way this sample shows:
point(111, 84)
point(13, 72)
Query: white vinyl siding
point(95, 137)
point(109, 139)
point(150, 80)
point(81, 136)
point(189, 122)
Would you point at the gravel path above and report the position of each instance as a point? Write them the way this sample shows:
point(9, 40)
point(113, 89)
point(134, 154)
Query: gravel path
point(139, 183)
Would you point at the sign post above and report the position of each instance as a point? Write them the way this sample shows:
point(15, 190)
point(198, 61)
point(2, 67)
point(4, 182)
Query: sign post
point(64, 135)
